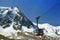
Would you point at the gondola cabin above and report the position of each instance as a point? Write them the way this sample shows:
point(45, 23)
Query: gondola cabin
point(39, 32)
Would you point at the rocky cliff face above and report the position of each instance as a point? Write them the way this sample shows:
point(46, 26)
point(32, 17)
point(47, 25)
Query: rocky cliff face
point(9, 15)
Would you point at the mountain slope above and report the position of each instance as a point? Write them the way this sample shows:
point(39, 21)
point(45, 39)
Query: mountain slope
point(49, 29)
point(4, 38)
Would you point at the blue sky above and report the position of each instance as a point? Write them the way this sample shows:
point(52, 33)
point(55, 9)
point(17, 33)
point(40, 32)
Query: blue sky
point(49, 10)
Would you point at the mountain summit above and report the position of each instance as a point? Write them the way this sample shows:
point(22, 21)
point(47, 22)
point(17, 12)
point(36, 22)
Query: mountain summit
point(12, 16)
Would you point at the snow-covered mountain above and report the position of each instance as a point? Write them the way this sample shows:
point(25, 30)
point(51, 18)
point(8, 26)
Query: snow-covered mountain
point(9, 15)
point(13, 21)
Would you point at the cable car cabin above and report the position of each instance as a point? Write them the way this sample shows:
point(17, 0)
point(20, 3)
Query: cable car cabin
point(39, 32)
